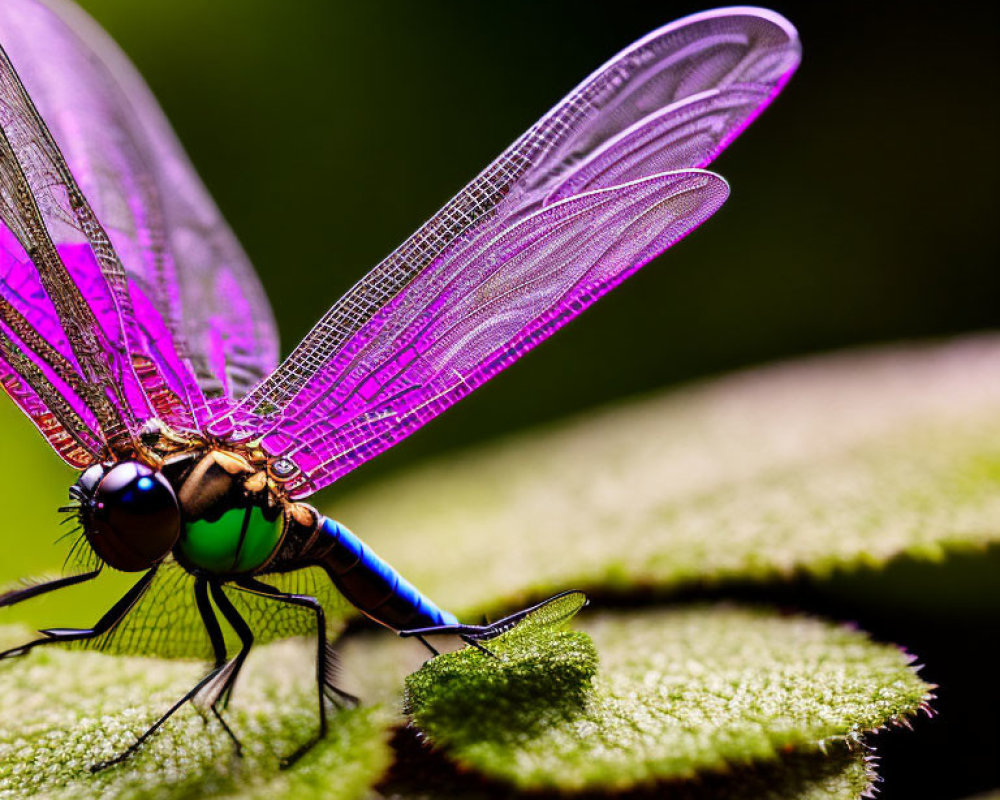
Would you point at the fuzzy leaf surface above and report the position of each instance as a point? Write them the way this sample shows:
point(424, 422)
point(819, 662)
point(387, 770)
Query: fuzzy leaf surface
point(835, 463)
point(677, 694)
point(61, 711)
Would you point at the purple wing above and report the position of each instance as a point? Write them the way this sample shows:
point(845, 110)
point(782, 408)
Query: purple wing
point(600, 185)
point(478, 311)
point(65, 317)
point(37, 366)
point(204, 322)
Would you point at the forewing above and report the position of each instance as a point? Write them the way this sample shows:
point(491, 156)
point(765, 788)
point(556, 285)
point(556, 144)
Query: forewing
point(476, 311)
point(37, 366)
point(671, 101)
point(200, 305)
point(37, 212)
point(60, 414)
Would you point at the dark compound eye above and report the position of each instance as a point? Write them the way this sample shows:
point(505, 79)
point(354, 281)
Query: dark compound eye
point(132, 519)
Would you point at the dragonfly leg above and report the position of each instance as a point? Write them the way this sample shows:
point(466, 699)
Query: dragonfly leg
point(20, 595)
point(470, 634)
point(423, 641)
point(471, 641)
point(225, 673)
point(565, 604)
point(215, 636)
point(231, 671)
point(325, 659)
point(156, 725)
point(211, 623)
point(111, 618)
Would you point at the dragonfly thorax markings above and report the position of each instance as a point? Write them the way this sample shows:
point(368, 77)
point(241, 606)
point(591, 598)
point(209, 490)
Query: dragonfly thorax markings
point(233, 518)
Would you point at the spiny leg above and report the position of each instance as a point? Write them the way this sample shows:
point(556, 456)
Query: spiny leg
point(20, 595)
point(226, 667)
point(218, 641)
point(324, 657)
point(304, 601)
point(421, 633)
point(480, 647)
point(470, 634)
point(111, 618)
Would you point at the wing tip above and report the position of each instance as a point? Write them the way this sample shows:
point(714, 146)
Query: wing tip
point(784, 35)
point(780, 23)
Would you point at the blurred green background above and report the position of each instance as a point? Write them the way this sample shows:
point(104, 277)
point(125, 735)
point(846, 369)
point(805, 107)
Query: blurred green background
point(863, 202)
point(862, 209)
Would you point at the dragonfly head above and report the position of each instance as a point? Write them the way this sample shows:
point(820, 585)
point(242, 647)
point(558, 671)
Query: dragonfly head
point(129, 512)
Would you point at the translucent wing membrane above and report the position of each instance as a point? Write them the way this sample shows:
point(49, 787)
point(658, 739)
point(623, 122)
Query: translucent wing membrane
point(165, 622)
point(30, 370)
point(139, 304)
point(566, 213)
point(178, 251)
point(50, 244)
point(480, 309)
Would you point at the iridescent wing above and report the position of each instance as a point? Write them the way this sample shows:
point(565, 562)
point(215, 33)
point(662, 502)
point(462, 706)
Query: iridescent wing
point(61, 324)
point(68, 320)
point(478, 311)
point(204, 325)
point(30, 370)
point(600, 185)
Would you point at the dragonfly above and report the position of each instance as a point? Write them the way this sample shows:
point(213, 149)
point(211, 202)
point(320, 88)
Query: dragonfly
point(137, 338)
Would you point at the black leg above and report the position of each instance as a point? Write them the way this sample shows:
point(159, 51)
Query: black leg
point(110, 619)
point(420, 638)
point(211, 623)
point(218, 648)
point(232, 670)
point(156, 725)
point(552, 611)
point(324, 659)
point(227, 671)
point(470, 634)
point(481, 648)
point(19, 595)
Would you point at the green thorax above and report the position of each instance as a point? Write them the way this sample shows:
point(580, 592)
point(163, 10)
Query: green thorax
point(241, 540)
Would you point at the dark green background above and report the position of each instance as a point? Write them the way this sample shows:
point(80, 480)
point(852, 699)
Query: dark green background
point(862, 203)
point(863, 210)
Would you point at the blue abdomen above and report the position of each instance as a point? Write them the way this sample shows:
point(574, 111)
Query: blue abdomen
point(373, 585)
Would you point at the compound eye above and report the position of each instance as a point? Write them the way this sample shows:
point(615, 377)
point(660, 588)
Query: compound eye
point(134, 518)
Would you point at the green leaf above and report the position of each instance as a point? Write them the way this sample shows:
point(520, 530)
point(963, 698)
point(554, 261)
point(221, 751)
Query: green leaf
point(61, 711)
point(841, 773)
point(678, 694)
point(531, 678)
point(834, 463)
